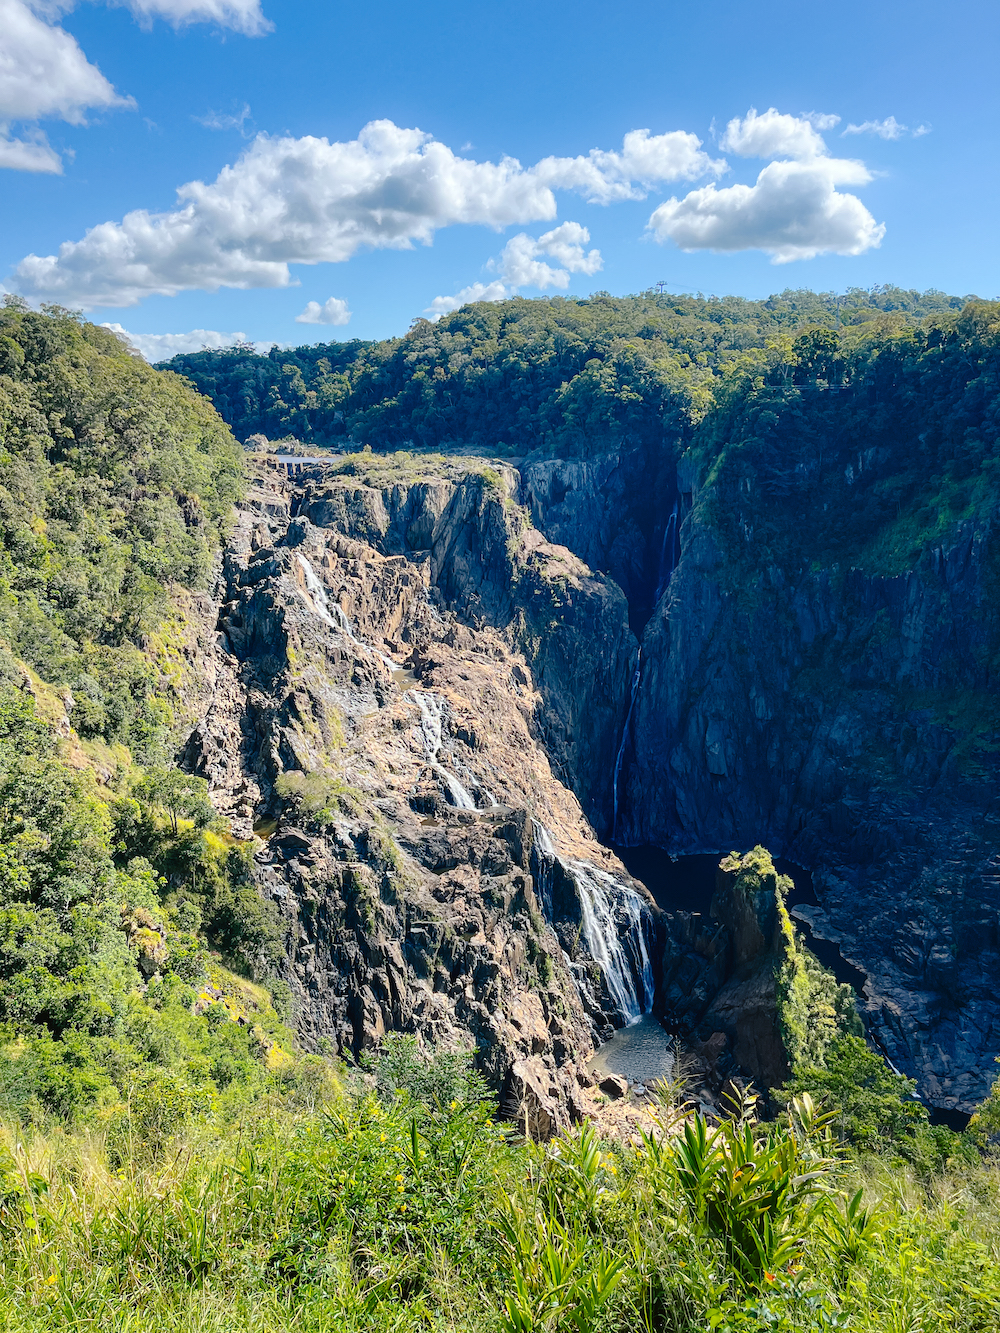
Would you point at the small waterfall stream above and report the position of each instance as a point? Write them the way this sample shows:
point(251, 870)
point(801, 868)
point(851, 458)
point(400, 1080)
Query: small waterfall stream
point(669, 552)
point(636, 676)
point(609, 945)
point(431, 706)
point(669, 555)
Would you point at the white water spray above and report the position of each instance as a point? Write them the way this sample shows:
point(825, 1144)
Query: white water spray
point(334, 615)
point(612, 929)
point(600, 894)
point(431, 728)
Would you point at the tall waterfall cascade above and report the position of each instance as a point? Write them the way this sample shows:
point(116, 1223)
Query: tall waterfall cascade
point(669, 555)
point(616, 777)
point(612, 922)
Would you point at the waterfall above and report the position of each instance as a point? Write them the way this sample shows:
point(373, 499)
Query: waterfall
point(319, 603)
point(600, 895)
point(612, 930)
point(431, 726)
point(668, 553)
point(431, 706)
point(624, 741)
point(334, 615)
point(544, 869)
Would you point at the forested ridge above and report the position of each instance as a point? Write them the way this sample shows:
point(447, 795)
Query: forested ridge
point(116, 486)
point(570, 376)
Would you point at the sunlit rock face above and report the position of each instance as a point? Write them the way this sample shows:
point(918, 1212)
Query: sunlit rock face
point(414, 698)
point(457, 644)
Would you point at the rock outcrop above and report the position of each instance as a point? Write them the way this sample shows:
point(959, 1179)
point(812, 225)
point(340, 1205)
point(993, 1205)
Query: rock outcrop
point(401, 671)
point(723, 977)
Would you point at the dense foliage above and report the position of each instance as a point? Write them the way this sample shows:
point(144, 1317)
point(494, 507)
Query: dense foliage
point(115, 876)
point(562, 374)
point(881, 437)
point(385, 1212)
point(115, 481)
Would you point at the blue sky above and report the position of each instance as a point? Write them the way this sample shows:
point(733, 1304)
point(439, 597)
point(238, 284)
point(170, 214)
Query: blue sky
point(311, 232)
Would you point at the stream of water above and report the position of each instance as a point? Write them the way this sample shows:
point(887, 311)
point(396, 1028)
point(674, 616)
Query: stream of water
point(430, 705)
point(636, 677)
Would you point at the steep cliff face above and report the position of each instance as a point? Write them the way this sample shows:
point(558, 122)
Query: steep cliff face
point(399, 660)
point(842, 717)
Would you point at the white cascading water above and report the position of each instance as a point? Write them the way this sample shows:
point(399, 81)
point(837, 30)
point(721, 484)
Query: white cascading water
point(333, 614)
point(431, 726)
point(668, 553)
point(431, 705)
point(317, 600)
point(612, 929)
point(624, 741)
point(605, 944)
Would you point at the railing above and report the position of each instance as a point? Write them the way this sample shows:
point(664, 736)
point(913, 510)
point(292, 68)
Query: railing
point(293, 464)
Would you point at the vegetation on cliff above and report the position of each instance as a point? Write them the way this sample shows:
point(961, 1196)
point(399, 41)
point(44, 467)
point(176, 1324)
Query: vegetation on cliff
point(569, 376)
point(116, 482)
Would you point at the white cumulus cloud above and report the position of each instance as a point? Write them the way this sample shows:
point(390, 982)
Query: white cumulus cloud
point(478, 291)
point(161, 346)
point(645, 160)
point(520, 265)
point(43, 74)
point(243, 16)
point(308, 201)
point(773, 134)
point(29, 154)
point(332, 311)
point(794, 210)
point(890, 128)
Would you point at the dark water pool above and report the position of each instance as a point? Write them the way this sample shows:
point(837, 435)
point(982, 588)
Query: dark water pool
point(641, 1052)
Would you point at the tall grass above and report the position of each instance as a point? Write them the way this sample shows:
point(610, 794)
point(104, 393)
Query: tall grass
point(391, 1215)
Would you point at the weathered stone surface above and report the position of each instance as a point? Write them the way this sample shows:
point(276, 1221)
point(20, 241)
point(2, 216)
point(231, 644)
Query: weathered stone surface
point(614, 1086)
point(417, 652)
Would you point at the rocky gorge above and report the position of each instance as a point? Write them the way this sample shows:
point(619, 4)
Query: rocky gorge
point(442, 688)
point(840, 716)
point(397, 671)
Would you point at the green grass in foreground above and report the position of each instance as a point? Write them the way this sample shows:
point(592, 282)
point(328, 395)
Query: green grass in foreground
point(379, 1213)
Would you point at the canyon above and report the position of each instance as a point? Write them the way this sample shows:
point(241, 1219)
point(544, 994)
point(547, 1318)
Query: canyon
point(444, 689)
